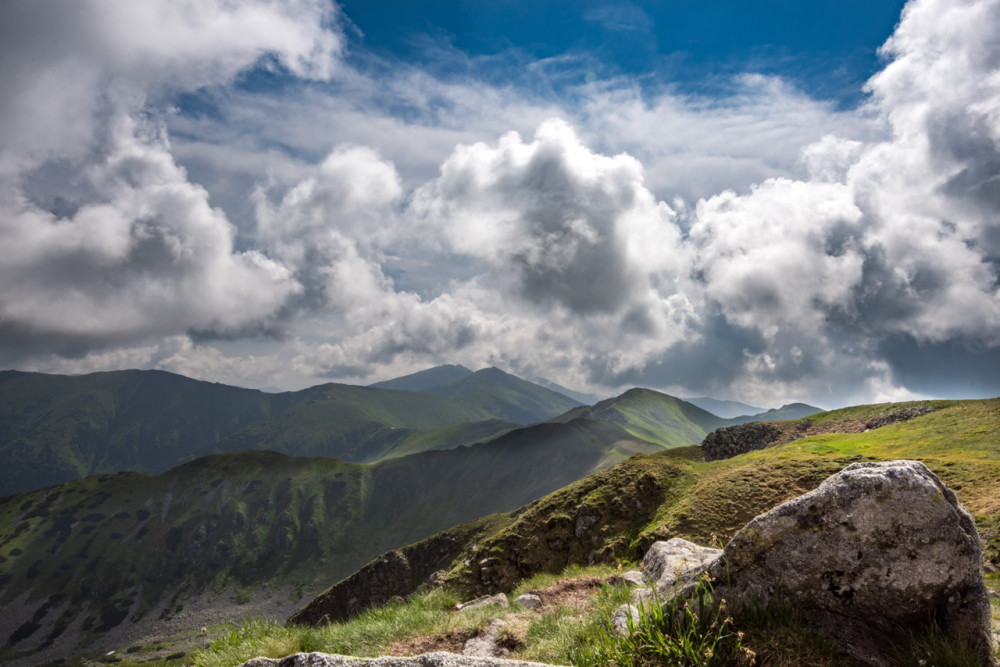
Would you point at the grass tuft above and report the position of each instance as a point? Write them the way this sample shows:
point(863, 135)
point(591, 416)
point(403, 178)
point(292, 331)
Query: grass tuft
point(696, 631)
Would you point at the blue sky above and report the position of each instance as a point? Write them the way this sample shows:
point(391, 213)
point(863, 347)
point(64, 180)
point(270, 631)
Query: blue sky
point(762, 201)
point(828, 49)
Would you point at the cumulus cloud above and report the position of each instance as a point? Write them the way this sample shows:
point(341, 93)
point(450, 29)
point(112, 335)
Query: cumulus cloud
point(105, 240)
point(880, 254)
point(326, 229)
point(562, 224)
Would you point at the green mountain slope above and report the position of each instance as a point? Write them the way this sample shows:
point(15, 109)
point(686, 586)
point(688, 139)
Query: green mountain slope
point(55, 428)
point(652, 416)
point(364, 424)
point(504, 395)
point(112, 551)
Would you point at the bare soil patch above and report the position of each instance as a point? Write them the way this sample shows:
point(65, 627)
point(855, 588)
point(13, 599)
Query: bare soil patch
point(453, 642)
point(572, 592)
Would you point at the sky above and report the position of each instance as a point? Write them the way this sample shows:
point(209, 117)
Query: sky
point(767, 201)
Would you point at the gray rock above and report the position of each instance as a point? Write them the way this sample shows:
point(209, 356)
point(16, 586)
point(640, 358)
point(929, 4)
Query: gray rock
point(622, 616)
point(487, 644)
point(667, 562)
point(586, 517)
point(628, 579)
point(439, 659)
point(260, 662)
point(498, 600)
point(643, 595)
point(529, 601)
point(876, 547)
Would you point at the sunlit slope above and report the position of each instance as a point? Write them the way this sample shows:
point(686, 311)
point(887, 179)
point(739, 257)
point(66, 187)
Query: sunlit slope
point(649, 415)
point(507, 396)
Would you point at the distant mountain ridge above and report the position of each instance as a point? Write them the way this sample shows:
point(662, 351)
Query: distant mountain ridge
point(725, 409)
point(506, 395)
point(785, 412)
point(438, 376)
point(55, 428)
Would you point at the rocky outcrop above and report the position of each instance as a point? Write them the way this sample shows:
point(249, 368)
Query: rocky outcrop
point(877, 547)
point(397, 573)
point(439, 659)
point(730, 441)
point(896, 416)
point(665, 568)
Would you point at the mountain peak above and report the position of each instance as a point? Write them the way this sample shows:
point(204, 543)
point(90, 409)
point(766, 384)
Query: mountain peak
point(426, 379)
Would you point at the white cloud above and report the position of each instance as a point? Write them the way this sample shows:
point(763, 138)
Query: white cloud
point(104, 238)
point(559, 223)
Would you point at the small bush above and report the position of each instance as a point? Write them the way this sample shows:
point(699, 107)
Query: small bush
point(696, 631)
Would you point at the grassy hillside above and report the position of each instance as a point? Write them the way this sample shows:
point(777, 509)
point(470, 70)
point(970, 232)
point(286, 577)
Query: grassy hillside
point(363, 424)
point(676, 494)
point(94, 554)
point(54, 428)
point(654, 417)
point(708, 502)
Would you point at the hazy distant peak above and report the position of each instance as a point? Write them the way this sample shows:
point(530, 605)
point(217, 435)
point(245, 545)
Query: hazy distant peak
point(725, 409)
point(427, 379)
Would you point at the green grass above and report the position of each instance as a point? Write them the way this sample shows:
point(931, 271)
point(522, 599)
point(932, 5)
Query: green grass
point(687, 632)
point(370, 634)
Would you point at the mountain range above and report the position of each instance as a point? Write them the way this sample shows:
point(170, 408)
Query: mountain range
point(275, 495)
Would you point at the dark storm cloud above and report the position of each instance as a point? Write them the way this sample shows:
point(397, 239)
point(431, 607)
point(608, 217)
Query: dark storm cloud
point(709, 362)
point(956, 368)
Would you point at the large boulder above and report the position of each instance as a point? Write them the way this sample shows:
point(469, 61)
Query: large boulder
point(877, 547)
